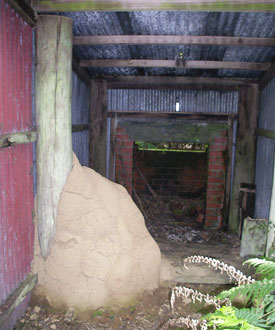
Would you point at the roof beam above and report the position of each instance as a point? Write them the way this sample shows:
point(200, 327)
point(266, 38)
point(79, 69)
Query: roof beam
point(267, 77)
point(24, 9)
point(180, 64)
point(162, 82)
point(134, 5)
point(172, 40)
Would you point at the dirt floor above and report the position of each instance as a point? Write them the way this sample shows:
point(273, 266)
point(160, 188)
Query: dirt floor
point(152, 310)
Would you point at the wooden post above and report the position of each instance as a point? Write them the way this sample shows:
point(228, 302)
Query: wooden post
point(98, 126)
point(53, 115)
point(245, 147)
point(271, 231)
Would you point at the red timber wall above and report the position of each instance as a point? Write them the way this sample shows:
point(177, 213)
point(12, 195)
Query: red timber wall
point(16, 180)
point(216, 174)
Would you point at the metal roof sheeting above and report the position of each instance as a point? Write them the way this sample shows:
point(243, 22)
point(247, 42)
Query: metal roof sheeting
point(165, 101)
point(265, 153)
point(80, 115)
point(175, 23)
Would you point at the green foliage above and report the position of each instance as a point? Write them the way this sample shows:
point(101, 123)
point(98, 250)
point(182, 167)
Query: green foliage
point(264, 267)
point(231, 318)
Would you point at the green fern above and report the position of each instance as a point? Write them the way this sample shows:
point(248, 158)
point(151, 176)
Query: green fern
point(264, 267)
point(251, 292)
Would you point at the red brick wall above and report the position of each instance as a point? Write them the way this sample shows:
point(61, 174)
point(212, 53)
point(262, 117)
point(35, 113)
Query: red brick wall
point(216, 182)
point(124, 159)
point(172, 173)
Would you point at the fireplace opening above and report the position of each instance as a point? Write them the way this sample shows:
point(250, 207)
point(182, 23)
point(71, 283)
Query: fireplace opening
point(169, 186)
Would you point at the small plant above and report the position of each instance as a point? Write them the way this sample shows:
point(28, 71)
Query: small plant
point(258, 312)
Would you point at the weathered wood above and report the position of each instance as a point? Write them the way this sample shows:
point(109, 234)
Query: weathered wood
point(53, 114)
point(228, 172)
point(23, 8)
point(170, 115)
point(160, 82)
point(267, 77)
point(172, 40)
point(16, 298)
point(271, 232)
point(266, 133)
point(257, 66)
point(162, 131)
point(13, 139)
point(80, 127)
point(111, 167)
point(132, 5)
point(81, 72)
point(245, 147)
point(98, 150)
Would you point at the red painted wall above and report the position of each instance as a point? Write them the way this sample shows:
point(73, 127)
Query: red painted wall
point(16, 181)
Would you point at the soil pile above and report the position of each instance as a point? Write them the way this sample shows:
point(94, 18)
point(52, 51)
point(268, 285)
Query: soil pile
point(102, 253)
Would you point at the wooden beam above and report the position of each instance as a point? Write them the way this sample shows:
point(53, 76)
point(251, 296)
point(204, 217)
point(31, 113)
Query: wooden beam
point(53, 114)
point(266, 133)
point(172, 40)
point(23, 8)
point(176, 64)
point(16, 298)
point(82, 73)
point(134, 5)
point(161, 82)
point(80, 128)
point(169, 115)
point(267, 77)
point(13, 139)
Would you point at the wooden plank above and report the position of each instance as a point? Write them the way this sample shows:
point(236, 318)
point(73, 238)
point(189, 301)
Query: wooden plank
point(23, 8)
point(80, 128)
point(170, 115)
point(266, 133)
point(228, 172)
point(13, 139)
point(161, 131)
point(53, 115)
point(82, 73)
point(176, 64)
point(172, 40)
point(267, 77)
point(16, 298)
point(133, 5)
point(161, 82)
point(98, 134)
point(245, 147)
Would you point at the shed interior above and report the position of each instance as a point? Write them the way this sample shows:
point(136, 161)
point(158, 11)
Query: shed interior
point(175, 100)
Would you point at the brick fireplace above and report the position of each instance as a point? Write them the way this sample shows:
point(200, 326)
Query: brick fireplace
point(204, 173)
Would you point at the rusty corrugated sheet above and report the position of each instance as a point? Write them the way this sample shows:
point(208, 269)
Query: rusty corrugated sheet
point(16, 185)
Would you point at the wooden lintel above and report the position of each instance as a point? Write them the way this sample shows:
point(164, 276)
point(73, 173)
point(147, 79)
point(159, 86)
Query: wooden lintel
point(16, 298)
point(170, 115)
point(24, 9)
point(82, 73)
point(80, 128)
point(133, 5)
point(13, 139)
point(267, 77)
point(172, 40)
point(162, 82)
point(266, 133)
point(179, 64)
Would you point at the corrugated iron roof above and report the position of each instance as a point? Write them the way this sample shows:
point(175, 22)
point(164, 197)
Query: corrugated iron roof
point(175, 23)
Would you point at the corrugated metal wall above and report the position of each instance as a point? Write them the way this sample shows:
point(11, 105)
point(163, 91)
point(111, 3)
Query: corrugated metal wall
point(265, 153)
point(16, 182)
point(80, 115)
point(165, 101)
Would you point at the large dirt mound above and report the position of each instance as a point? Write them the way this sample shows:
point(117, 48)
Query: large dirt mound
point(102, 253)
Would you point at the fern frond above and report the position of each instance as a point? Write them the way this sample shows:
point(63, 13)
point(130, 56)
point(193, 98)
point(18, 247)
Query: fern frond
point(257, 290)
point(264, 267)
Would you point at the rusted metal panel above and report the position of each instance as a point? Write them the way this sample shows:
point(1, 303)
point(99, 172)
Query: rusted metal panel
point(16, 182)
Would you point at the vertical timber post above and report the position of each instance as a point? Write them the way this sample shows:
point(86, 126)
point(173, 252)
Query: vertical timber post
point(271, 231)
point(98, 143)
point(245, 147)
point(53, 115)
